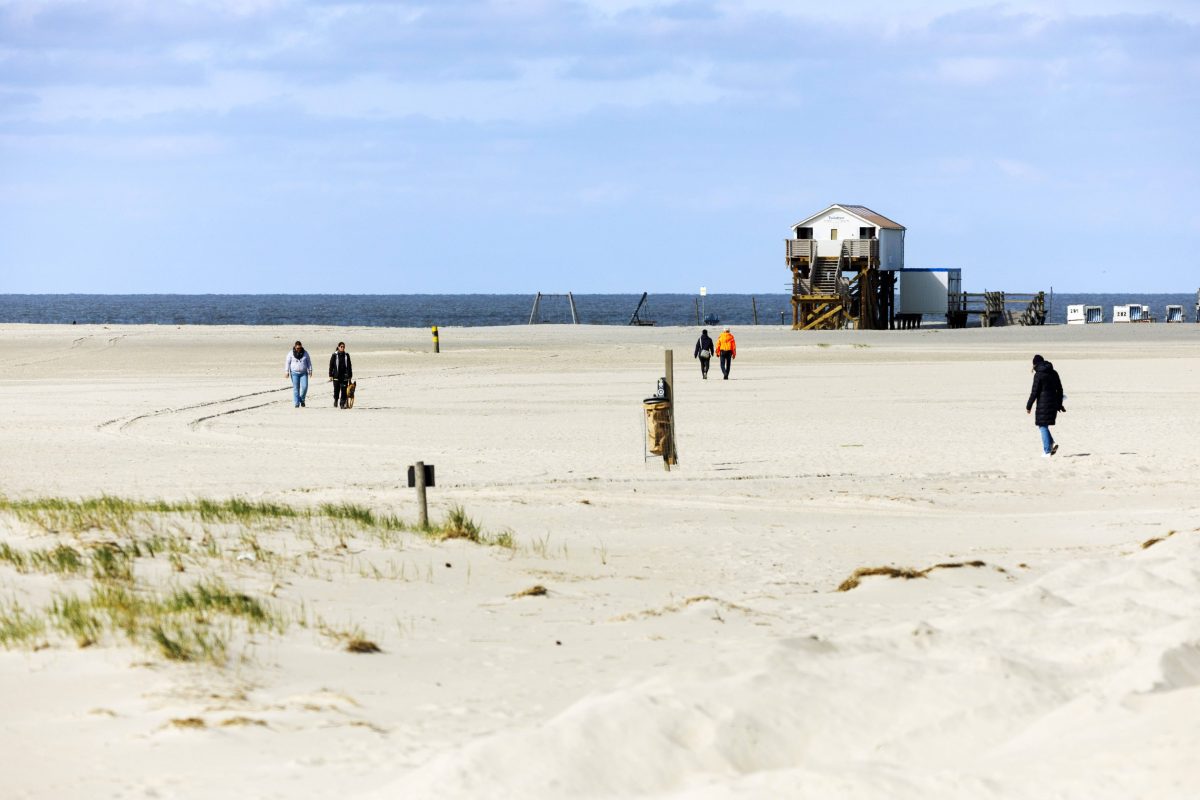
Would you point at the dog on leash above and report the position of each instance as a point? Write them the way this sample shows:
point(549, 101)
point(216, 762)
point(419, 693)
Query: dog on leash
point(350, 393)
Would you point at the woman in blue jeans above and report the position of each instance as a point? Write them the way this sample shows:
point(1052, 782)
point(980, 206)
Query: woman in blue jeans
point(1047, 394)
point(299, 368)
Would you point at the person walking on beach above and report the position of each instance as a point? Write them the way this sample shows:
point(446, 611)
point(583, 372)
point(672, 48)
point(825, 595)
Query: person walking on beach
point(341, 372)
point(704, 351)
point(299, 368)
point(726, 351)
point(1048, 394)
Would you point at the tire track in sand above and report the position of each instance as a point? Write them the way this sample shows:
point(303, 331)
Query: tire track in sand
point(124, 423)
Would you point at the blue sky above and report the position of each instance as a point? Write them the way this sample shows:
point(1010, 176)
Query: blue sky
point(601, 145)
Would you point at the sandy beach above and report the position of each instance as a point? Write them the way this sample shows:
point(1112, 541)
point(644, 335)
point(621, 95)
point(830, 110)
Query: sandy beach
point(690, 641)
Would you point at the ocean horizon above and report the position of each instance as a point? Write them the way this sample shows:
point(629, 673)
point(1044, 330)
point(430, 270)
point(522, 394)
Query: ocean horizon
point(466, 310)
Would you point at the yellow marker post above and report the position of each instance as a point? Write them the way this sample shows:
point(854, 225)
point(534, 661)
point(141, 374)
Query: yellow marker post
point(437, 348)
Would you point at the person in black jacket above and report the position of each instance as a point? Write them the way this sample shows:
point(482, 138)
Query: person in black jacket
point(1048, 394)
point(341, 372)
point(704, 351)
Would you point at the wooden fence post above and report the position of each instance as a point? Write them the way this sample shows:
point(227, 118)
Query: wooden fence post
point(669, 455)
point(422, 505)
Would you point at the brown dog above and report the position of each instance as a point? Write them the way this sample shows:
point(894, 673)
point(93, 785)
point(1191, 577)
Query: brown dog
point(350, 393)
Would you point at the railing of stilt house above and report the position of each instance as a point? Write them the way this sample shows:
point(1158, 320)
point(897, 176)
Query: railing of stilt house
point(801, 249)
point(861, 248)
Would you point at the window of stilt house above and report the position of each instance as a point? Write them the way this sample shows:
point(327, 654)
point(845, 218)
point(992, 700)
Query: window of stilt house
point(833, 233)
point(866, 233)
point(803, 233)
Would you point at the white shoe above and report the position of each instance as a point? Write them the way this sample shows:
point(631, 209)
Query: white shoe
point(1046, 455)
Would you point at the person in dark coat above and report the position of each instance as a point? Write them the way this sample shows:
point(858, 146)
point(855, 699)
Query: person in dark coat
point(704, 351)
point(341, 372)
point(1047, 393)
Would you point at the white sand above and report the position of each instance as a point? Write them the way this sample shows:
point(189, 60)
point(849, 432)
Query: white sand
point(692, 643)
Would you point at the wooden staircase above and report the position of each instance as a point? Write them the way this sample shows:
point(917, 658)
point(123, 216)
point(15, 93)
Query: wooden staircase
point(825, 276)
point(824, 306)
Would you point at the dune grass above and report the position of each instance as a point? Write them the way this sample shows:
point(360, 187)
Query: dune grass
point(213, 596)
point(1146, 545)
point(903, 572)
point(62, 559)
point(65, 515)
point(185, 623)
point(359, 515)
point(152, 607)
point(19, 627)
point(108, 513)
point(351, 639)
point(359, 644)
point(457, 525)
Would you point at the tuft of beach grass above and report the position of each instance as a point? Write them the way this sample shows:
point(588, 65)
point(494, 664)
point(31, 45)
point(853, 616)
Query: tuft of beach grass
point(457, 525)
point(359, 644)
point(903, 572)
point(1146, 545)
point(19, 627)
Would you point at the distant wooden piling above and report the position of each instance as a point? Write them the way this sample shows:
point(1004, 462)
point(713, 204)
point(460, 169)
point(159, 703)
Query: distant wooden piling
point(534, 313)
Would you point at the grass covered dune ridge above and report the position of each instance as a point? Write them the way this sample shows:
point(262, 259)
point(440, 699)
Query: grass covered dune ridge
point(107, 512)
point(121, 569)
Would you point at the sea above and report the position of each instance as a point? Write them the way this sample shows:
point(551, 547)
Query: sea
point(468, 310)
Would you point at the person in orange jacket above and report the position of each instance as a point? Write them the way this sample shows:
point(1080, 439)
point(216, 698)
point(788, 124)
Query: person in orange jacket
point(726, 351)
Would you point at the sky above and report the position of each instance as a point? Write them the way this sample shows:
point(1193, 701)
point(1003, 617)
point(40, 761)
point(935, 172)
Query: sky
point(514, 146)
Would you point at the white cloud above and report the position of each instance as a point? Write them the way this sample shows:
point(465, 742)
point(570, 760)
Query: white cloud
point(1019, 169)
point(917, 13)
point(539, 93)
point(605, 194)
point(141, 146)
point(953, 166)
point(973, 70)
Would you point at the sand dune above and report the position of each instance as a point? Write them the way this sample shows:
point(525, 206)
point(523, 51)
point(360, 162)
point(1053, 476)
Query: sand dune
point(1081, 683)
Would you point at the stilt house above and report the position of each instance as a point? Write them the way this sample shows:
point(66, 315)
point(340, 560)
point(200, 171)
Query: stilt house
point(843, 262)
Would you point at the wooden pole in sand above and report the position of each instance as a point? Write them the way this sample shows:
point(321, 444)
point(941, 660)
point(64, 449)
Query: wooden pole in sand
point(754, 307)
point(669, 455)
point(437, 347)
point(422, 505)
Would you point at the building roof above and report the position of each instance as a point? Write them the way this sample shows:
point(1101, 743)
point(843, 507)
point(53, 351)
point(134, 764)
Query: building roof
point(862, 212)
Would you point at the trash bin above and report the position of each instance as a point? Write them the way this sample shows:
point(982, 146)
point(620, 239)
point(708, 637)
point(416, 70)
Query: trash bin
point(658, 424)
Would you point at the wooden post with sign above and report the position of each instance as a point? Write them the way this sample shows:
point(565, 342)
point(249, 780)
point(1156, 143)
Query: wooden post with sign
point(437, 347)
point(421, 475)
